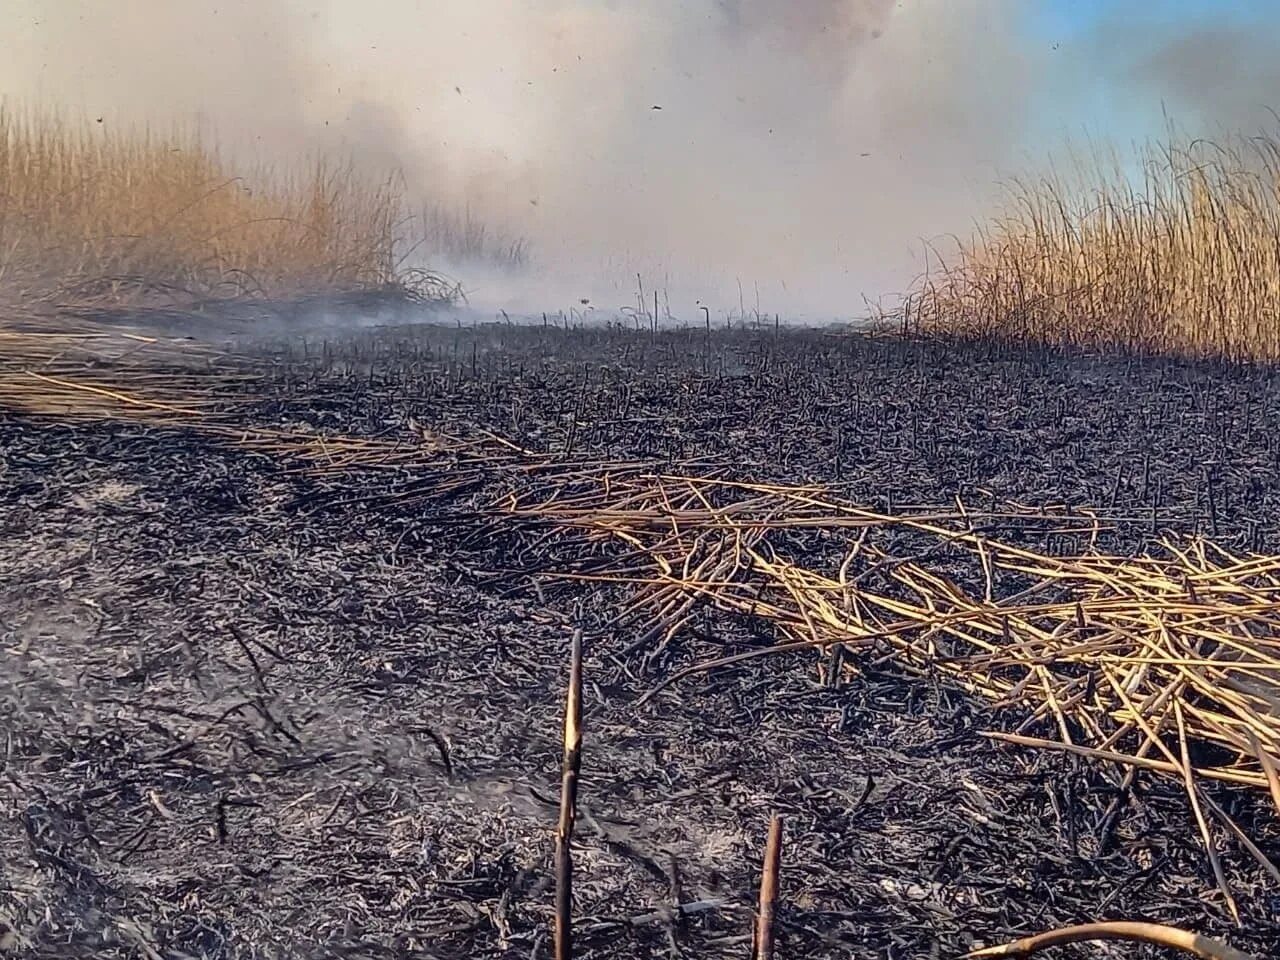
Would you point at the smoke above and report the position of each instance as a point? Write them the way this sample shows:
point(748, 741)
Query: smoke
point(1217, 76)
point(805, 150)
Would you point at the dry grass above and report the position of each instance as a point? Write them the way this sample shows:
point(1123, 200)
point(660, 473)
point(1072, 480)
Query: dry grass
point(89, 211)
point(1177, 254)
point(91, 374)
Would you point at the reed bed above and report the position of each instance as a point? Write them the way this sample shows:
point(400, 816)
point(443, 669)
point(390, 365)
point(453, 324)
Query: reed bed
point(91, 211)
point(1176, 250)
point(1167, 663)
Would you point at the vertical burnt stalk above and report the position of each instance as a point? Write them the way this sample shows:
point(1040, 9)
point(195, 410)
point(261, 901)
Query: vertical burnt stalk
point(570, 765)
point(578, 412)
point(640, 307)
point(706, 357)
point(769, 890)
point(1212, 501)
point(1115, 487)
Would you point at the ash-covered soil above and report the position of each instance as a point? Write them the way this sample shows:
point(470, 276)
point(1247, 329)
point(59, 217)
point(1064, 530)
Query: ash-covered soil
point(250, 711)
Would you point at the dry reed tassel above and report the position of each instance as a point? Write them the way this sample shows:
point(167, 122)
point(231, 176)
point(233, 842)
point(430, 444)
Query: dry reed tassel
point(568, 801)
point(1172, 937)
point(769, 891)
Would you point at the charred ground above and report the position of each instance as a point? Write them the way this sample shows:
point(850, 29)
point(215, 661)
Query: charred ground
point(257, 710)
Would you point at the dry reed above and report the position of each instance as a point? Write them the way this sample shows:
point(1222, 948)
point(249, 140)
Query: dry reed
point(83, 372)
point(1132, 932)
point(461, 237)
point(90, 210)
point(1177, 252)
point(1145, 662)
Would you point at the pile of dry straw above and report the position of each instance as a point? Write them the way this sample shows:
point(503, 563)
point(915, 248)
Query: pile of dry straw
point(1144, 662)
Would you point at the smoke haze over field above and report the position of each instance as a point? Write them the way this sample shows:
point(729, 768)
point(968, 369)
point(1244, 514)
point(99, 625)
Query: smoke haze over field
point(804, 148)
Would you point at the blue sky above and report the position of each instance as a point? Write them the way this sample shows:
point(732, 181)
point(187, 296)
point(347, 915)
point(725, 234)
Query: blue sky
point(1098, 79)
point(1074, 19)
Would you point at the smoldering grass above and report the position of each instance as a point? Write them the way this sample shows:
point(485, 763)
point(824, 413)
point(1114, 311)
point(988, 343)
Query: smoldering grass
point(459, 236)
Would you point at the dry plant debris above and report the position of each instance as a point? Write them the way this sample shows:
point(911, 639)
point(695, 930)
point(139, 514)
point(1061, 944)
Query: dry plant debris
point(1136, 661)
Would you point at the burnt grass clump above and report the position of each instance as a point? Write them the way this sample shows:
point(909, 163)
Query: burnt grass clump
point(256, 709)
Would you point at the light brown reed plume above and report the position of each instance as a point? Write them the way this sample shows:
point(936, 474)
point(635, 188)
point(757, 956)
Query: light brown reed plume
point(1176, 250)
point(89, 210)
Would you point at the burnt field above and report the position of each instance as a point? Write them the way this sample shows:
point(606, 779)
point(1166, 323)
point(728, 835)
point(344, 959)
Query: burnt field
point(284, 632)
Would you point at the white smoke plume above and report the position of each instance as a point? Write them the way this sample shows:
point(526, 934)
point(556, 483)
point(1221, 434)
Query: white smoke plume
point(803, 150)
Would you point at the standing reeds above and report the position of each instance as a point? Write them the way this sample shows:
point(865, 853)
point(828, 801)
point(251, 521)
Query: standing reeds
point(89, 211)
point(1178, 252)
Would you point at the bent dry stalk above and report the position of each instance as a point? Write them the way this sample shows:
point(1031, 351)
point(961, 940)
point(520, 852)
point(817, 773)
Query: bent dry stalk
point(570, 766)
point(1172, 937)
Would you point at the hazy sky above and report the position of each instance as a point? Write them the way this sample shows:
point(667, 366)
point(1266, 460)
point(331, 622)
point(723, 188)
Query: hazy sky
point(804, 147)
